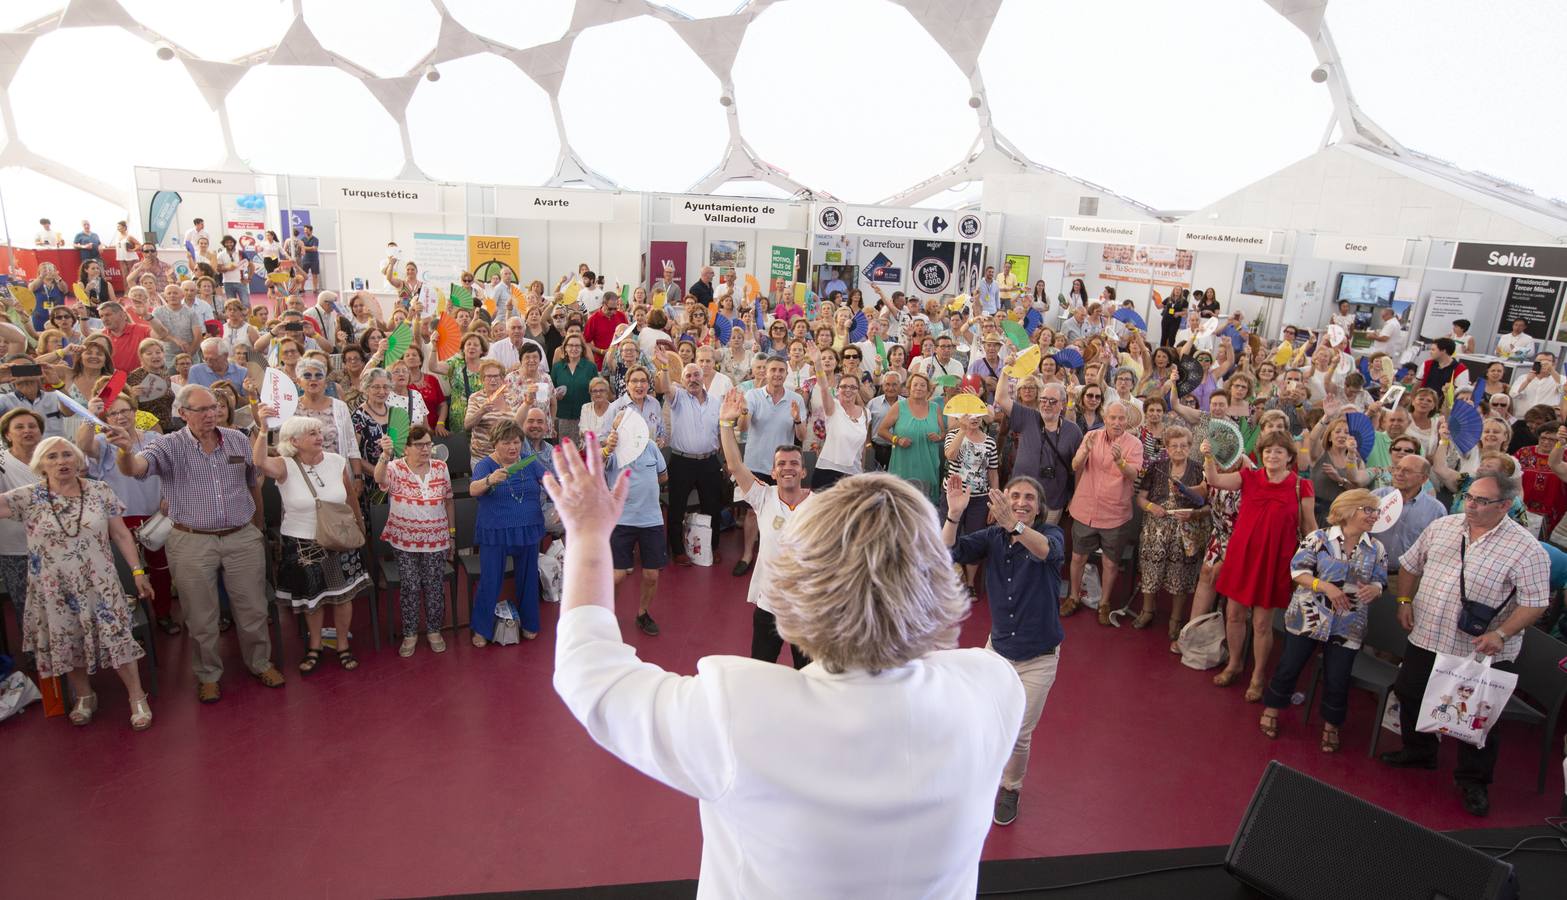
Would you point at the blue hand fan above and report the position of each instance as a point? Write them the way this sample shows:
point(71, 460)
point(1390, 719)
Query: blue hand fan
point(1361, 429)
point(1464, 426)
point(1130, 317)
point(1365, 369)
point(1070, 358)
point(1479, 390)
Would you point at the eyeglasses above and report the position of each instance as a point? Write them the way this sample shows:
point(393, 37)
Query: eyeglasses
point(1049, 401)
point(312, 376)
point(1092, 396)
point(1481, 502)
point(422, 445)
point(203, 410)
point(1369, 510)
point(851, 356)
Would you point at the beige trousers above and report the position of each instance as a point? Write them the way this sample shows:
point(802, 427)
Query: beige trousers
point(194, 561)
point(1037, 675)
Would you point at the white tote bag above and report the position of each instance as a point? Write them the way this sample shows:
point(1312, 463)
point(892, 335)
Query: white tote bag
point(1464, 697)
point(699, 538)
point(1201, 641)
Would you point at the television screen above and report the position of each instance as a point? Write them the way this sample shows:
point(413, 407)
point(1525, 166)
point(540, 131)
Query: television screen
point(1264, 279)
point(1373, 290)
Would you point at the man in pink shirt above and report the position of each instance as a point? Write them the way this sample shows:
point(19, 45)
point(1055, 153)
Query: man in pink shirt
point(1106, 464)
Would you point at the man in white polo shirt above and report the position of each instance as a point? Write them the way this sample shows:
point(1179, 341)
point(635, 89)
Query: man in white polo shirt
point(774, 505)
point(1390, 336)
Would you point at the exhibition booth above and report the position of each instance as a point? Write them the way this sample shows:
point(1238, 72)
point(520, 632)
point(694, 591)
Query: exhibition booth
point(1272, 277)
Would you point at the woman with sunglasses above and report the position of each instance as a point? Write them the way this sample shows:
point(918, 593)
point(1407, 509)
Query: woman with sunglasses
point(141, 496)
point(1337, 571)
point(575, 374)
point(1090, 406)
point(915, 428)
point(337, 422)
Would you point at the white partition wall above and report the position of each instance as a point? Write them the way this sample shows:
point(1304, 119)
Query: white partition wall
point(755, 225)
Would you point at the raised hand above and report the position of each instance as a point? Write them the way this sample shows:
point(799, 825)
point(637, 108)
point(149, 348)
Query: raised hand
point(588, 507)
point(732, 407)
point(957, 496)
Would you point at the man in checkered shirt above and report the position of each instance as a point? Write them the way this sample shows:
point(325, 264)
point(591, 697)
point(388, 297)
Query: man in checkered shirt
point(1483, 555)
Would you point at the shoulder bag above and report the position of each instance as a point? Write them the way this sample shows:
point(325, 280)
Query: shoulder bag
point(337, 527)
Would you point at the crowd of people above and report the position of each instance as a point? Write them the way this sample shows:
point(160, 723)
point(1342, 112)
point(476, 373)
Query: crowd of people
point(1056, 439)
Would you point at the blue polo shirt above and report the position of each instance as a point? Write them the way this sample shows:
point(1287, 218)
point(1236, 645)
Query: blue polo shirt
point(642, 509)
point(202, 374)
point(1024, 590)
point(770, 426)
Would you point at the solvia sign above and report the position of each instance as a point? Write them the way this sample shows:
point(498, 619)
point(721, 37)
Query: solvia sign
point(1539, 261)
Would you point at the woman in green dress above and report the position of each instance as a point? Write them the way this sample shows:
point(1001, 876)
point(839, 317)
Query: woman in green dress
point(915, 429)
point(462, 374)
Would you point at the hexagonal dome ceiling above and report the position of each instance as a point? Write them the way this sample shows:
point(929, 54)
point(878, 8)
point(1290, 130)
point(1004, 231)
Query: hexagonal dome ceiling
point(1173, 105)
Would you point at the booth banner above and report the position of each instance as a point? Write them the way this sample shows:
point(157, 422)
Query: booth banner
point(1099, 231)
point(160, 216)
point(729, 211)
point(931, 263)
point(490, 254)
point(1445, 307)
point(380, 196)
point(1373, 251)
point(833, 250)
point(670, 253)
point(838, 218)
point(293, 220)
point(1534, 301)
point(1019, 263)
point(207, 182)
point(1138, 264)
point(971, 263)
point(1511, 259)
point(561, 205)
point(245, 216)
point(1229, 240)
point(441, 257)
point(884, 259)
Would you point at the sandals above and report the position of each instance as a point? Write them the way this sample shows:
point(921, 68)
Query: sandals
point(141, 714)
point(479, 641)
point(1225, 678)
point(410, 643)
point(169, 626)
point(1270, 723)
point(311, 660)
point(1143, 620)
point(1105, 611)
point(1253, 692)
point(1330, 739)
point(1175, 628)
point(1069, 605)
point(345, 658)
point(82, 710)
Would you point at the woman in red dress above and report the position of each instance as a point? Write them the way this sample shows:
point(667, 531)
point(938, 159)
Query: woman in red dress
point(1275, 504)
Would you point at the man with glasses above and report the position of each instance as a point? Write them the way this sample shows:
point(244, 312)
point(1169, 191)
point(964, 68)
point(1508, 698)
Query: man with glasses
point(213, 490)
point(942, 363)
point(150, 264)
point(215, 367)
point(1471, 583)
point(1410, 471)
point(1106, 464)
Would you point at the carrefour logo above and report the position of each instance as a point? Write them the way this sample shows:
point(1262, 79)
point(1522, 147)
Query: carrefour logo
point(968, 227)
point(830, 219)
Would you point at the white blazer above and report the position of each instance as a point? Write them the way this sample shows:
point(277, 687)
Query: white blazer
point(810, 784)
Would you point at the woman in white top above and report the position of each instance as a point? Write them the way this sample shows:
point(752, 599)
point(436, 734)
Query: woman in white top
point(596, 410)
point(871, 772)
point(1423, 420)
point(237, 329)
point(22, 429)
point(310, 576)
point(848, 425)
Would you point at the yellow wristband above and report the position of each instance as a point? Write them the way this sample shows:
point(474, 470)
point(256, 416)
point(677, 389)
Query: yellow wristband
point(1404, 601)
point(1314, 583)
point(137, 573)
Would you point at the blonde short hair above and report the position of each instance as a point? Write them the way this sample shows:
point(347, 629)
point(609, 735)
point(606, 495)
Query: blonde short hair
point(48, 444)
point(1345, 504)
point(293, 427)
point(862, 579)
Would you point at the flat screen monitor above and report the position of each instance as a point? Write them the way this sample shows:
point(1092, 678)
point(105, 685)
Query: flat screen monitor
point(1264, 279)
point(1372, 290)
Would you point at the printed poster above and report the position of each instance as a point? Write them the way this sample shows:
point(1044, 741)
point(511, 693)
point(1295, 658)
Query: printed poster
point(1141, 264)
point(931, 263)
point(1019, 263)
point(726, 254)
point(490, 254)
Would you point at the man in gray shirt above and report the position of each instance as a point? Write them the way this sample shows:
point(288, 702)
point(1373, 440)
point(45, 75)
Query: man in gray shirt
point(774, 417)
point(176, 324)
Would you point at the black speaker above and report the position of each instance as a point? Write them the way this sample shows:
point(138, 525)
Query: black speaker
point(1303, 840)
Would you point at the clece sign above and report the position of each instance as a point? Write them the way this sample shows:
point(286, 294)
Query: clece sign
point(930, 224)
point(1538, 261)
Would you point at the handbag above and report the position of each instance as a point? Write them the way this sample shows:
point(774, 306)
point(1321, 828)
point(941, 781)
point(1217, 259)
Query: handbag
point(1464, 698)
point(337, 527)
point(154, 532)
point(1201, 641)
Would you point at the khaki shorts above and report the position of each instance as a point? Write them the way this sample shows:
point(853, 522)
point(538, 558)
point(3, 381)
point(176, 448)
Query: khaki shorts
point(1109, 541)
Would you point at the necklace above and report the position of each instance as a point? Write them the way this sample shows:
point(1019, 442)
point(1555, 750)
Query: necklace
point(81, 508)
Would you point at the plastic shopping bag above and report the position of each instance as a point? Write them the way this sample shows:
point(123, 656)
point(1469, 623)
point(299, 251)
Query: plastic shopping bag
point(1464, 697)
point(1201, 641)
point(549, 573)
point(1391, 713)
point(699, 538)
point(16, 691)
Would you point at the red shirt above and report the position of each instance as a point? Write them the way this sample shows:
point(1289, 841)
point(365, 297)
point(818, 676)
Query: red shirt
point(125, 356)
point(1543, 493)
point(599, 330)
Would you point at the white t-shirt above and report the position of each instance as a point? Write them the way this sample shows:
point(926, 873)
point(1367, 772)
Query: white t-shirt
point(13, 532)
point(772, 515)
point(1540, 392)
point(1515, 346)
point(1394, 332)
point(844, 448)
point(299, 507)
point(225, 258)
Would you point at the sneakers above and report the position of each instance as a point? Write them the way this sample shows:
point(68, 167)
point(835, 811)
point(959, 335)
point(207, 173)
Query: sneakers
point(646, 623)
point(437, 643)
point(1006, 807)
point(409, 645)
point(1476, 801)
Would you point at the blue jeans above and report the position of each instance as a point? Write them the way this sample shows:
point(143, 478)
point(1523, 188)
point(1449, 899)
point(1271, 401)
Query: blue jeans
point(1337, 661)
point(492, 571)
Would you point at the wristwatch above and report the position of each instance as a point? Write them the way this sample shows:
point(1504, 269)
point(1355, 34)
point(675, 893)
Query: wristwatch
point(1018, 527)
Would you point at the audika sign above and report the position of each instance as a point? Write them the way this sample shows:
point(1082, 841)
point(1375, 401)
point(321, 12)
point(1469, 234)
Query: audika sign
point(927, 224)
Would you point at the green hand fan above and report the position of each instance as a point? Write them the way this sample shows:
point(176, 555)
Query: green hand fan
point(1015, 333)
point(881, 350)
point(397, 343)
point(1225, 441)
point(946, 381)
point(397, 425)
point(520, 464)
point(461, 297)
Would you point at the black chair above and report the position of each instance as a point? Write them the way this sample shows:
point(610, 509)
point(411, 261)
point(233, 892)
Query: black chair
point(459, 462)
point(468, 562)
point(1541, 680)
point(1370, 672)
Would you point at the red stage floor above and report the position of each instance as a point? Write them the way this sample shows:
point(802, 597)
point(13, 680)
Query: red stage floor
point(463, 772)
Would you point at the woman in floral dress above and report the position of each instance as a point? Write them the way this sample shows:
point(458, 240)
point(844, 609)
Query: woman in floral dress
point(77, 619)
